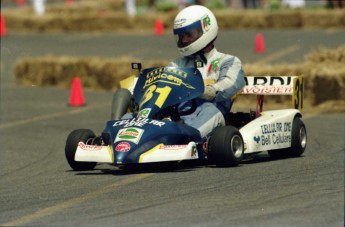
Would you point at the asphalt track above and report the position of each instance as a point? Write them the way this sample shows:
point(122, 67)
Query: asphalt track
point(39, 189)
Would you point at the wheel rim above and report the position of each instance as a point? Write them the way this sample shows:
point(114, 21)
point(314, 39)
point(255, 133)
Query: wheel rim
point(303, 137)
point(237, 146)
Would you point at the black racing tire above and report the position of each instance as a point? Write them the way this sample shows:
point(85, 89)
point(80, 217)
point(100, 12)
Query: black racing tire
point(298, 142)
point(225, 147)
point(76, 136)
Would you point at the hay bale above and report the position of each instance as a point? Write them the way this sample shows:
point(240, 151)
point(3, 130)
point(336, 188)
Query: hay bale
point(323, 18)
point(96, 73)
point(288, 19)
point(324, 73)
point(327, 55)
point(327, 81)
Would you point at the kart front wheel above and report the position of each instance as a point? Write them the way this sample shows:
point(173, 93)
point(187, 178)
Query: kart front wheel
point(225, 147)
point(76, 136)
point(298, 142)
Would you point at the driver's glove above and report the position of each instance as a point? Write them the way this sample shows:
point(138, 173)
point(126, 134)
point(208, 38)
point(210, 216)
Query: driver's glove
point(209, 93)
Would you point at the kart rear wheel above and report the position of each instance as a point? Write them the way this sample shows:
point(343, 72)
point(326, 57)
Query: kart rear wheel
point(225, 147)
point(298, 142)
point(76, 136)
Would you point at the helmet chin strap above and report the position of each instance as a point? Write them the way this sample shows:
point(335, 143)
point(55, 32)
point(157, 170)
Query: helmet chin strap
point(201, 55)
point(202, 52)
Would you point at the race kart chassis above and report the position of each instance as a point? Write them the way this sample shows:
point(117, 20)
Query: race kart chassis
point(155, 136)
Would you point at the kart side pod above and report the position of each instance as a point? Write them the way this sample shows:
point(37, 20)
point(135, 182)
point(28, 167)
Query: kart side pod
point(270, 131)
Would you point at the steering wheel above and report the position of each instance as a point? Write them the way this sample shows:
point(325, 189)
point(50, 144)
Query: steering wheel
point(174, 113)
point(190, 110)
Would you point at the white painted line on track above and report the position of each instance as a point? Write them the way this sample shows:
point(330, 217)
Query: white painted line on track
point(278, 54)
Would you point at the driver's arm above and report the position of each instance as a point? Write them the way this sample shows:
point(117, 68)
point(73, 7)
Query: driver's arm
point(230, 81)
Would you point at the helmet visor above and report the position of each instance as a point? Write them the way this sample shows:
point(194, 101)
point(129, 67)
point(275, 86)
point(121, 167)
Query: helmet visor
point(187, 35)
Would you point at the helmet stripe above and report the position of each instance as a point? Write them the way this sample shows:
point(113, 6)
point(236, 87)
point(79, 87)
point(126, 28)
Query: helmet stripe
point(196, 24)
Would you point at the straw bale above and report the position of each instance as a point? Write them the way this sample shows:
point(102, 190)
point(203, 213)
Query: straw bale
point(96, 73)
point(323, 18)
point(242, 19)
point(323, 70)
point(252, 19)
point(288, 19)
point(332, 106)
point(325, 55)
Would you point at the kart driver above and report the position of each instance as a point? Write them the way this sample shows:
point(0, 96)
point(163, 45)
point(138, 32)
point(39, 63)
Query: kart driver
point(195, 30)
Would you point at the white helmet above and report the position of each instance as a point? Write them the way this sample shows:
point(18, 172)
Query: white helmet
point(194, 28)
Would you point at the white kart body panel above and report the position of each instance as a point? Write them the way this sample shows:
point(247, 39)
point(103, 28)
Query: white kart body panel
point(93, 153)
point(272, 130)
point(160, 153)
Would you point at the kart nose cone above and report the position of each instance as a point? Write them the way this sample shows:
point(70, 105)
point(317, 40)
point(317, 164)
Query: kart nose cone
point(120, 158)
point(121, 151)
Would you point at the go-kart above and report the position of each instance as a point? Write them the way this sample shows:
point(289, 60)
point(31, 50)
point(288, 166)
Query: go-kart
point(157, 134)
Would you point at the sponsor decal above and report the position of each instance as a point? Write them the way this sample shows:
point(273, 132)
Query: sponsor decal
point(138, 122)
point(129, 134)
point(172, 147)
point(268, 85)
point(274, 133)
point(179, 147)
point(167, 77)
point(257, 139)
point(166, 70)
point(123, 147)
point(275, 139)
point(267, 90)
point(276, 127)
point(144, 113)
point(268, 80)
point(214, 65)
point(179, 23)
point(206, 23)
point(87, 147)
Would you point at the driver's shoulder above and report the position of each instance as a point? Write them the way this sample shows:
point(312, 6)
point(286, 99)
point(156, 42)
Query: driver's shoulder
point(181, 62)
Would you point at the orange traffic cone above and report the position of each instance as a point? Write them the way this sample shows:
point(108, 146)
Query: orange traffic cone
point(69, 2)
point(3, 31)
point(159, 27)
point(20, 3)
point(77, 96)
point(259, 43)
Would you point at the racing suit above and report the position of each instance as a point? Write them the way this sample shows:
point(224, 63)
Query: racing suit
point(225, 75)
